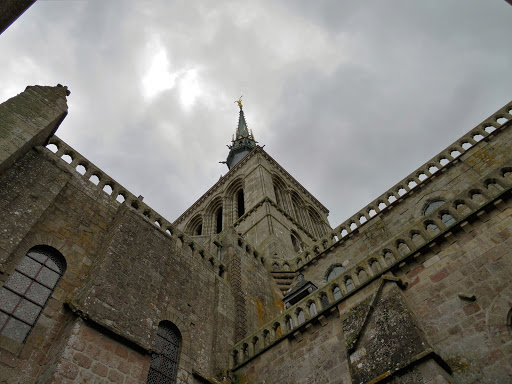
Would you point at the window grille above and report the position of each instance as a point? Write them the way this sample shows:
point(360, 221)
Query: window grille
point(27, 290)
point(164, 363)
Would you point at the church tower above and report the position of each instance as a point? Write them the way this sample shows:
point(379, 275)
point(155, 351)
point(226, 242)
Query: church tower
point(261, 201)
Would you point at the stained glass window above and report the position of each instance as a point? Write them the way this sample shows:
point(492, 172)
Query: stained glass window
point(28, 289)
point(164, 363)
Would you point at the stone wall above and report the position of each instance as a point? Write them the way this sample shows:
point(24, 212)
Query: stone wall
point(123, 272)
point(314, 357)
point(90, 356)
point(461, 294)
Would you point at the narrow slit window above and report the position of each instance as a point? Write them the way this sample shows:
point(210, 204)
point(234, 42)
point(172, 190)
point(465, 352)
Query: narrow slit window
point(240, 203)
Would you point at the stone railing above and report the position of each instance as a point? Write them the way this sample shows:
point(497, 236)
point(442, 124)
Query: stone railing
point(414, 241)
point(88, 171)
point(400, 190)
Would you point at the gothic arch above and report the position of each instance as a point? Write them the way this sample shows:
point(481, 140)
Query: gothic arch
point(195, 226)
point(299, 207)
point(234, 186)
point(212, 212)
point(318, 224)
point(279, 190)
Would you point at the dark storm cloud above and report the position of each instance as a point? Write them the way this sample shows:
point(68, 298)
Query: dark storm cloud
point(349, 97)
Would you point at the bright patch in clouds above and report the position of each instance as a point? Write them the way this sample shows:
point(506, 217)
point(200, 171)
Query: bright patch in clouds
point(158, 78)
point(189, 87)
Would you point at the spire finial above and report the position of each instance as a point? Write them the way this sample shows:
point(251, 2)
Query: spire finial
point(239, 102)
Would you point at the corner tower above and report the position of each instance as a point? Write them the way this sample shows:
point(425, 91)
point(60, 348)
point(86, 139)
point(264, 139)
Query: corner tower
point(242, 142)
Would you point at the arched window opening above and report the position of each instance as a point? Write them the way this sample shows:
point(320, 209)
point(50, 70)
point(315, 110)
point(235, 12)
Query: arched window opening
point(431, 206)
point(375, 265)
point(199, 230)
point(245, 351)
point(349, 284)
point(403, 248)
point(417, 239)
point(164, 362)
point(362, 275)
point(433, 229)
point(447, 219)
point(240, 203)
point(27, 290)
point(335, 272)
point(278, 198)
point(301, 318)
point(219, 220)
point(477, 196)
point(289, 323)
point(336, 292)
point(277, 331)
point(324, 300)
point(312, 309)
point(461, 207)
point(255, 344)
point(297, 247)
point(266, 337)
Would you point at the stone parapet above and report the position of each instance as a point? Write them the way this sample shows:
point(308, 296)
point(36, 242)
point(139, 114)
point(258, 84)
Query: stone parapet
point(464, 210)
point(121, 195)
point(486, 130)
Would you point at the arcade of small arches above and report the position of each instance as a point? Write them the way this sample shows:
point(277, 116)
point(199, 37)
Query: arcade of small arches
point(438, 214)
point(307, 216)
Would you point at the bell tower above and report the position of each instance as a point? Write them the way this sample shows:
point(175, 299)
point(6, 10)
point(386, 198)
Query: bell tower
point(260, 200)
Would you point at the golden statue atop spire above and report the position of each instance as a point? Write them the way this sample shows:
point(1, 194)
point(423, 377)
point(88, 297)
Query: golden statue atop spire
point(239, 102)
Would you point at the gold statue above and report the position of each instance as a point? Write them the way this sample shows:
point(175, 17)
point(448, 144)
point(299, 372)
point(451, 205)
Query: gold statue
point(239, 102)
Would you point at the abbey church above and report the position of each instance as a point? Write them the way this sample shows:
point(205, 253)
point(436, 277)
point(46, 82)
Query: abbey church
point(251, 284)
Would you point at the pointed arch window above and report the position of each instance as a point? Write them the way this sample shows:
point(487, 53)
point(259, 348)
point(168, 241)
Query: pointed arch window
point(27, 290)
point(164, 362)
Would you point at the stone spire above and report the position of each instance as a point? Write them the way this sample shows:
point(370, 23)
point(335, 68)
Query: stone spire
point(243, 141)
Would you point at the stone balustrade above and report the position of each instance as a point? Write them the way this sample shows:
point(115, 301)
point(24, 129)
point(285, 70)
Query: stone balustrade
point(423, 174)
point(420, 236)
point(121, 195)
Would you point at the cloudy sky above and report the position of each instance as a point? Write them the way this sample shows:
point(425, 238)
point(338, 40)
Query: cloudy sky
point(349, 96)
